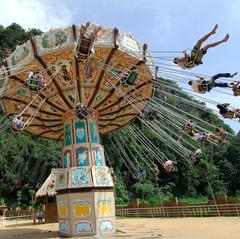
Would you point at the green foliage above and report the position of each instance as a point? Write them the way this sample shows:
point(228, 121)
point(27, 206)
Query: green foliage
point(121, 193)
point(144, 190)
point(171, 100)
point(156, 200)
point(199, 200)
point(14, 35)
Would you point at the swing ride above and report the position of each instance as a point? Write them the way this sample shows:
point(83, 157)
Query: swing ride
point(77, 83)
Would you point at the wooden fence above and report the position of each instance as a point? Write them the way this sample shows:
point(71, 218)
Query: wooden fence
point(182, 211)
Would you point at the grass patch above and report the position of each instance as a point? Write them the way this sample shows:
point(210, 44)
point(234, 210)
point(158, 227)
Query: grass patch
point(201, 200)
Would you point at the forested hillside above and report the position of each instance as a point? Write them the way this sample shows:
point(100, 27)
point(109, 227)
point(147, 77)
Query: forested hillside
point(26, 161)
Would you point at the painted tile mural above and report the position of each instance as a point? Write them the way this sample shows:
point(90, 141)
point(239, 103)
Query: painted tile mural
point(97, 156)
point(94, 134)
point(82, 156)
point(61, 180)
point(62, 209)
point(81, 208)
point(67, 158)
point(104, 207)
point(20, 54)
point(106, 225)
point(81, 136)
point(64, 226)
point(101, 176)
point(82, 226)
point(80, 177)
point(54, 39)
point(68, 134)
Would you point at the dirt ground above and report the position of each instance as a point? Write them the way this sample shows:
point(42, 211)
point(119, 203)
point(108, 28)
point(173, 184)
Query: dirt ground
point(141, 228)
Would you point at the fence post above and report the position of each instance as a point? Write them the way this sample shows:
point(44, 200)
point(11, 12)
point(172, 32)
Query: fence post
point(214, 199)
point(236, 206)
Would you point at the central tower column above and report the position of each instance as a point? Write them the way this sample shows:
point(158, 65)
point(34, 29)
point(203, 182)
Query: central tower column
point(85, 198)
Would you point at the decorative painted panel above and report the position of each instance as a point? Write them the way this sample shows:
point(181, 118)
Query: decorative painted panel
point(61, 180)
point(80, 177)
point(53, 40)
point(63, 67)
point(102, 177)
point(83, 227)
point(62, 209)
point(81, 133)
point(98, 156)
point(82, 156)
point(81, 208)
point(105, 37)
point(64, 226)
point(106, 225)
point(94, 134)
point(67, 158)
point(22, 53)
point(104, 207)
point(68, 134)
point(104, 204)
point(90, 71)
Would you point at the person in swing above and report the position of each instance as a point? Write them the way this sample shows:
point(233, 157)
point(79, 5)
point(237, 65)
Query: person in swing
point(202, 84)
point(225, 111)
point(195, 58)
point(235, 88)
point(17, 122)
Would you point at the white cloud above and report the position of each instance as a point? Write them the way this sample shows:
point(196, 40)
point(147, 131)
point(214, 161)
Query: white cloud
point(35, 14)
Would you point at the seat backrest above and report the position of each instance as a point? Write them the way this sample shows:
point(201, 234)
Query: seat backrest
point(229, 115)
point(130, 77)
point(33, 84)
point(190, 65)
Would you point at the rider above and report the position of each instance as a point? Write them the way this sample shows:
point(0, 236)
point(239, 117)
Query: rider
point(189, 127)
point(169, 166)
point(222, 134)
point(195, 59)
point(225, 111)
point(18, 121)
point(235, 88)
point(202, 85)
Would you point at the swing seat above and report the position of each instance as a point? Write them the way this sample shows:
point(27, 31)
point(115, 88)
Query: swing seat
point(142, 175)
point(33, 85)
point(189, 127)
point(155, 170)
point(148, 114)
point(229, 115)
point(168, 166)
point(237, 92)
point(84, 48)
point(203, 139)
point(36, 85)
point(115, 73)
point(195, 59)
point(82, 111)
point(16, 127)
point(130, 78)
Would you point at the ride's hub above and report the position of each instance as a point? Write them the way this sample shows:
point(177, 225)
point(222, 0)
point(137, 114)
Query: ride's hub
point(85, 198)
point(108, 70)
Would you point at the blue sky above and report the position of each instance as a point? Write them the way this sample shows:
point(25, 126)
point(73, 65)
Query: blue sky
point(163, 25)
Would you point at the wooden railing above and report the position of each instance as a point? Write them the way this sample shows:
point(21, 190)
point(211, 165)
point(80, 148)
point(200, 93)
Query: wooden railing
point(182, 211)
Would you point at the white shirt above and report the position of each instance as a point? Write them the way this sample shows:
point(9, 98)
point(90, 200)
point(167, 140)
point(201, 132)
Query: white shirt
point(168, 163)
